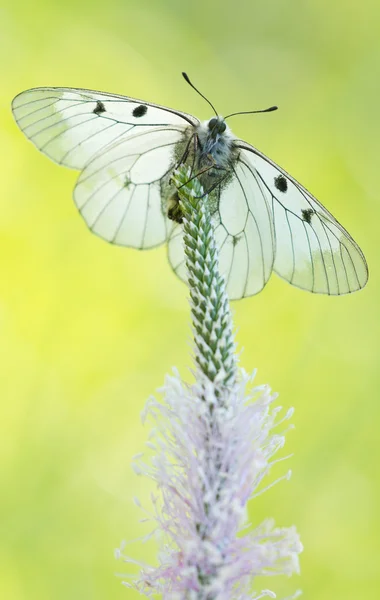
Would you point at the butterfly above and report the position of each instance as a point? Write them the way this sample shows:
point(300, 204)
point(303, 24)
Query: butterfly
point(127, 150)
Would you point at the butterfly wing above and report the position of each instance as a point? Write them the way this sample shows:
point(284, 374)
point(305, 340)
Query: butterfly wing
point(122, 193)
point(243, 229)
point(71, 125)
point(313, 251)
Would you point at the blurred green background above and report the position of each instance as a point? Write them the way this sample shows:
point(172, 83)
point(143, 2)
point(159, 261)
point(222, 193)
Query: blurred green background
point(88, 330)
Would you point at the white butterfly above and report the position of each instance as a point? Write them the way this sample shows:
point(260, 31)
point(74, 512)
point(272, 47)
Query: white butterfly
point(127, 149)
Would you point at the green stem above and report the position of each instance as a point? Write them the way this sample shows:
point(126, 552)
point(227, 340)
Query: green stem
point(210, 309)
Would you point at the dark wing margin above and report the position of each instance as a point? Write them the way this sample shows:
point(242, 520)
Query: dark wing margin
point(313, 251)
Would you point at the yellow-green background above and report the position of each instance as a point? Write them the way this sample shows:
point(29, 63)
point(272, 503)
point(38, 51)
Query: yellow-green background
point(88, 330)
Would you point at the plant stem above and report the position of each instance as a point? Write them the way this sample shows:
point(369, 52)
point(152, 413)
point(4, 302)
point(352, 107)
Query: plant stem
point(210, 309)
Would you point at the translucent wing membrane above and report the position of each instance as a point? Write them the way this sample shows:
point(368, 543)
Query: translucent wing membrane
point(313, 251)
point(243, 231)
point(120, 192)
point(73, 125)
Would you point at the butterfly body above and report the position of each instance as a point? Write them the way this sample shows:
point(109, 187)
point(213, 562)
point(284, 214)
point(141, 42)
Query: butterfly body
point(127, 149)
point(207, 148)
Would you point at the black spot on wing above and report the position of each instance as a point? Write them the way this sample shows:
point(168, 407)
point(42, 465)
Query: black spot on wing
point(281, 183)
point(307, 214)
point(140, 110)
point(99, 108)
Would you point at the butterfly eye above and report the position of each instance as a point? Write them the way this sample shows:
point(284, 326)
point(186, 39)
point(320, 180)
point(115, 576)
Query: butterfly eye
point(222, 127)
point(212, 123)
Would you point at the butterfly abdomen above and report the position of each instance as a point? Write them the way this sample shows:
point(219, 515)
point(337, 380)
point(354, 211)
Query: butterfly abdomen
point(174, 208)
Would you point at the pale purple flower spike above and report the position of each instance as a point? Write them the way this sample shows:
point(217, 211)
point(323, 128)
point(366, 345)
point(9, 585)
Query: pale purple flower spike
point(213, 443)
point(206, 471)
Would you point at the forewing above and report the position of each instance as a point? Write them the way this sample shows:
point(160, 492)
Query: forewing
point(71, 126)
point(120, 192)
point(313, 251)
point(243, 230)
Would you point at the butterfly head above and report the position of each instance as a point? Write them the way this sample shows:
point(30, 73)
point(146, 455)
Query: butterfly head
point(216, 126)
point(214, 131)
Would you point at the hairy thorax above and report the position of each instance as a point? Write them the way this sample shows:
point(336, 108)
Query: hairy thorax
point(215, 145)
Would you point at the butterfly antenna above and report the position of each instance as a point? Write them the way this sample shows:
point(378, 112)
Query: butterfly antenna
point(252, 112)
point(186, 78)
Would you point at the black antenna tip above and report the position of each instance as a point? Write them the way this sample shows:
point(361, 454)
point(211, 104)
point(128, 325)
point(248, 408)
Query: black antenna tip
point(272, 108)
point(186, 78)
